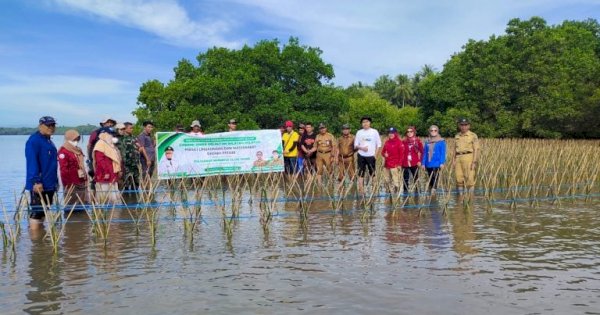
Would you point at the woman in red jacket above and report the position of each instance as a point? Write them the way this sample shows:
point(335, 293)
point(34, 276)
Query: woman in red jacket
point(392, 152)
point(411, 161)
point(72, 169)
point(107, 168)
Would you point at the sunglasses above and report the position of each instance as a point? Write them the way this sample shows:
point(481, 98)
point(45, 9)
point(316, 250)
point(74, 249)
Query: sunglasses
point(433, 130)
point(410, 131)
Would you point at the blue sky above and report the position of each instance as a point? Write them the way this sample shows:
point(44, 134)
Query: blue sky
point(79, 60)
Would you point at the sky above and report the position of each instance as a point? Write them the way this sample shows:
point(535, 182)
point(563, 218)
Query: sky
point(80, 60)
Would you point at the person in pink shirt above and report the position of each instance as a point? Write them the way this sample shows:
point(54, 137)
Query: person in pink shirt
point(392, 153)
point(411, 160)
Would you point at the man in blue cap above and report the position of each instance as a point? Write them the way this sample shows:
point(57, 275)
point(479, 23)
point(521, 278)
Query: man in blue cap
point(42, 170)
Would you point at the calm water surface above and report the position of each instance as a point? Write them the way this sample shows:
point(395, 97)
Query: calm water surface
point(542, 260)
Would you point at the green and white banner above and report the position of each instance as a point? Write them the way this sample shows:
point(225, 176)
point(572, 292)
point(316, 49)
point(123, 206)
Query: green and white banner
point(181, 155)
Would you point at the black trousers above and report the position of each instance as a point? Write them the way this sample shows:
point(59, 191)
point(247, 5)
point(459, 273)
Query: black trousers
point(37, 210)
point(408, 174)
point(434, 174)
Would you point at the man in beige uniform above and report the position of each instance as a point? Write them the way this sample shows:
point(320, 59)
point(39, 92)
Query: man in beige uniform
point(346, 154)
point(326, 151)
point(466, 155)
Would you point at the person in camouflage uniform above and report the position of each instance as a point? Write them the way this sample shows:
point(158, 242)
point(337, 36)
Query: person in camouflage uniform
point(130, 154)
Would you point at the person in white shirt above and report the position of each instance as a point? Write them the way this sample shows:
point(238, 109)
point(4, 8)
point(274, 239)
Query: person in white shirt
point(196, 129)
point(367, 142)
point(167, 164)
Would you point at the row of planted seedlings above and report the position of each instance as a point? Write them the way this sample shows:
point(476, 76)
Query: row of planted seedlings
point(533, 170)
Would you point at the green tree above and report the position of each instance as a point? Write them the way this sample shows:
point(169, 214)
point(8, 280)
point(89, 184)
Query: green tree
point(260, 86)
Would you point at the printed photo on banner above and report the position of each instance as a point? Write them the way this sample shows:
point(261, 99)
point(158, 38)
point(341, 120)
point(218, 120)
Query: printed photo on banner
point(182, 155)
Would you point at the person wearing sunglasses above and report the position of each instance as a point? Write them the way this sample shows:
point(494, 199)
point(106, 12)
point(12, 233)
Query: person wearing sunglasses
point(411, 161)
point(434, 157)
point(42, 170)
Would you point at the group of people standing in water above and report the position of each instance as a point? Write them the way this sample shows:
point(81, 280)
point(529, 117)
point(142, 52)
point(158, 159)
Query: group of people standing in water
point(117, 160)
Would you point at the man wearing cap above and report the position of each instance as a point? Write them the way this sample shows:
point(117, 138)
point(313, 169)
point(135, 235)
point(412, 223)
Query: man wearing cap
point(42, 170)
point(367, 142)
point(196, 129)
point(466, 154)
point(130, 154)
point(326, 151)
point(168, 165)
point(147, 149)
point(232, 125)
point(290, 139)
point(346, 154)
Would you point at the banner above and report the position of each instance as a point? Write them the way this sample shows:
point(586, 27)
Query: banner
point(181, 155)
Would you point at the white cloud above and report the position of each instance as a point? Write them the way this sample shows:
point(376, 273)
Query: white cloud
point(366, 39)
point(72, 100)
point(164, 18)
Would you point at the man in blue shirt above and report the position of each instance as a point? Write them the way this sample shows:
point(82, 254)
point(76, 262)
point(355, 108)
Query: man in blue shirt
point(42, 170)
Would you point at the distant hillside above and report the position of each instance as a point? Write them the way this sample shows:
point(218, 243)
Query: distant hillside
point(83, 129)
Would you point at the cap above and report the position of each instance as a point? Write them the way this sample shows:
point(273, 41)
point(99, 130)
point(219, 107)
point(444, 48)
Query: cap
point(196, 123)
point(463, 121)
point(366, 118)
point(106, 130)
point(392, 130)
point(233, 121)
point(322, 125)
point(169, 148)
point(47, 120)
point(289, 123)
point(346, 126)
point(106, 119)
point(120, 126)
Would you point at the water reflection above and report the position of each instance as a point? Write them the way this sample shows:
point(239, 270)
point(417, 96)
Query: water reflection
point(45, 272)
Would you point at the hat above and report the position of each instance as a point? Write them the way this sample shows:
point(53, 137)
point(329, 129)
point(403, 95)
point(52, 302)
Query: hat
point(392, 130)
point(346, 126)
point(233, 121)
point(463, 121)
point(106, 130)
point(169, 148)
point(322, 125)
point(366, 118)
point(196, 123)
point(120, 126)
point(289, 123)
point(106, 119)
point(47, 120)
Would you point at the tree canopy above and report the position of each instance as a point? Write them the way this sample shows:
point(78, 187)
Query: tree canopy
point(260, 86)
point(536, 80)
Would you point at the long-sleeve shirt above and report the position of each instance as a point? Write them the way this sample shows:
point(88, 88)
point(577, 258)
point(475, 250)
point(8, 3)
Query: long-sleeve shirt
point(413, 152)
point(438, 156)
point(104, 166)
point(394, 149)
point(69, 168)
point(42, 164)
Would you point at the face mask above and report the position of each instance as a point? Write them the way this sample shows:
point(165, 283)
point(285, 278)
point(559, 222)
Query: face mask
point(74, 143)
point(115, 140)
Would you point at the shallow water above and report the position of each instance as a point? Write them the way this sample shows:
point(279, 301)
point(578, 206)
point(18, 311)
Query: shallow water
point(465, 261)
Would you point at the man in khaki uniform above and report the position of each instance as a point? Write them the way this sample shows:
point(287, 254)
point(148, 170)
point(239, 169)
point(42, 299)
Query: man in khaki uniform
point(326, 151)
point(466, 155)
point(346, 153)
